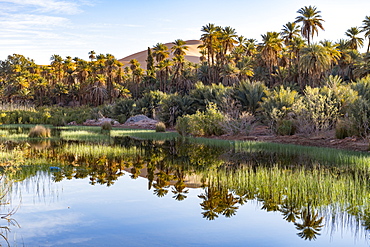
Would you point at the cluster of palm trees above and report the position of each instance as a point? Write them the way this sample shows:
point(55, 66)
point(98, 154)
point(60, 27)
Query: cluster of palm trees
point(288, 57)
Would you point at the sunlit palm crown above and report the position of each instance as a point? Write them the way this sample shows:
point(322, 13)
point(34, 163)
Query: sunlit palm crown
point(311, 21)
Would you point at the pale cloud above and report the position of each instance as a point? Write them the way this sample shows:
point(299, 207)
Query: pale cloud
point(57, 6)
point(27, 21)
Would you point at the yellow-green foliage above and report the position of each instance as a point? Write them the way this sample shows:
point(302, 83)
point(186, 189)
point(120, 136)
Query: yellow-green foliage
point(278, 104)
point(206, 123)
point(321, 107)
point(39, 131)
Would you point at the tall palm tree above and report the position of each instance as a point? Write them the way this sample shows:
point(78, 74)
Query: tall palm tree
point(290, 31)
point(160, 52)
point(228, 39)
point(179, 47)
point(92, 55)
point(269, 49)
point(311, 21)
point(209, 40)
point(57, 65)
point(354, 42)
point(314, 62)
point(366, 29)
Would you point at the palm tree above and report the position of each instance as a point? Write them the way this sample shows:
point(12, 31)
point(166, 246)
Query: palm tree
point(311, 21)
point(209, 40)
point(179, 47)
point(250, 95)
point(160, 52)
point(56, 64)
point(314, 61)
point(269, 49)
point(228, 39)
point(92, 55)
point(290, 31)
point(354, 42)
point(366, 29)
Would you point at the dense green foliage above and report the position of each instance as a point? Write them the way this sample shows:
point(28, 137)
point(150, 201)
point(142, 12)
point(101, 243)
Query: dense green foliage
point(287, 82)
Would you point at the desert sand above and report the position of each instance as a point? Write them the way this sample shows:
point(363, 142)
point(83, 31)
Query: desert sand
point(192, 54)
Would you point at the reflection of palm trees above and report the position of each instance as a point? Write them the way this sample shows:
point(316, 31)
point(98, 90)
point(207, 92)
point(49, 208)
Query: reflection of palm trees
point(228, 205)
point(311, 224)
point(179, 187)
point(290, 212)
point(210, 203)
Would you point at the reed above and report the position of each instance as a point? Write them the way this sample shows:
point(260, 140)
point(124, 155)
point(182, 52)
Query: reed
point(99, 150)
point(83, 135)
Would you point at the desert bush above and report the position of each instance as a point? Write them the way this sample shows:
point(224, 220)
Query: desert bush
point(344, 128)
point(39, 131)
point(243, 124)
point(359, 116)
point(160, 127)
point(318, 110)
point(285, 127)
point(279, 105)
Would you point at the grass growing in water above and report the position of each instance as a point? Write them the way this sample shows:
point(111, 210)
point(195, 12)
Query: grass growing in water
point(39, 131)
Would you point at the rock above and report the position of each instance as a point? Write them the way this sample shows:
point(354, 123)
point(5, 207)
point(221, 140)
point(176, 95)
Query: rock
point(100, 121)
point(137, 118)
point(141, 121)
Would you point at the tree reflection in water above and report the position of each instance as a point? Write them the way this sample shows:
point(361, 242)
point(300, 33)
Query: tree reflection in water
point(280, 183)
point(311, 224)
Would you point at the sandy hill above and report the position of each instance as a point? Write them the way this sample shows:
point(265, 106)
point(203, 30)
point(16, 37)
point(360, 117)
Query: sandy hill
point(192, 54)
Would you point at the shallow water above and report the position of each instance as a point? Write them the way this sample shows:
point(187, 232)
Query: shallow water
point(74, 212)
point(168, 193)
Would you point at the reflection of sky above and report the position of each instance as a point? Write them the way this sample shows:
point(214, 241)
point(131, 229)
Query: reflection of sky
point(75, 213)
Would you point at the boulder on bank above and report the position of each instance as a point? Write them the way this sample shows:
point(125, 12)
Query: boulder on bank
point(141, 121)
point(100, 121)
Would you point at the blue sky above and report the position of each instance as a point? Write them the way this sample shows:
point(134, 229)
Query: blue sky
point(40, 28)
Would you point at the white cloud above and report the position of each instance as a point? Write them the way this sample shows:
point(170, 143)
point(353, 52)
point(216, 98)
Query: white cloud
point(56, 6)
point(29, 21)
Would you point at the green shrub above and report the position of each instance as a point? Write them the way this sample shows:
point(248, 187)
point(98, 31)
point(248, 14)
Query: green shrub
point(206, 123)
point(106, 126)
point(160, 127)
point(250, 95)
point(285, 127)
point(183, 125)
point(122, 109)
point(39, 131)
point(344, 128)
point(175, 106)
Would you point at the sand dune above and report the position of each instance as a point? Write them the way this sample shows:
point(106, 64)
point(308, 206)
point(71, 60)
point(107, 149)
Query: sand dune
point(192, 54)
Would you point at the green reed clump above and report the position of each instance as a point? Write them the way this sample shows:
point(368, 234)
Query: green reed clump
point(83, 135)
point(316, 187)
point(39, 131)
point(160, 127)
point(86, 150)
point(106, 127)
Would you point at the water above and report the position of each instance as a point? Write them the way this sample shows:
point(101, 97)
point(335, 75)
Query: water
point(166, 193)
point(75, 213)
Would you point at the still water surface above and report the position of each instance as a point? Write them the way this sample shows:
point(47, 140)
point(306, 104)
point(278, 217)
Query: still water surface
point(75, 213)
point(170, 193)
